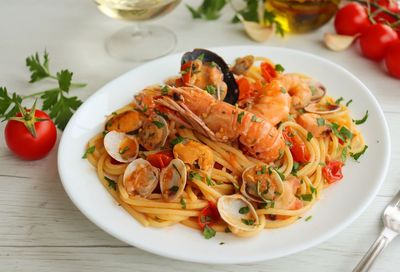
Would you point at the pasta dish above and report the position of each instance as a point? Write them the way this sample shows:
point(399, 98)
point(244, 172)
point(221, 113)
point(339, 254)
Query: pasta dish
point(223, 148)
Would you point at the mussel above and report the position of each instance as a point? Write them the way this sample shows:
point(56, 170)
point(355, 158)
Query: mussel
point(120, 146)
point(173, 180)
point(207, 56)
point(140, 178)
point(236, 211)
point(261, 184)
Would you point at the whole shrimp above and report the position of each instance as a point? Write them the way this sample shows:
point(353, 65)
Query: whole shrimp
point(223, 122)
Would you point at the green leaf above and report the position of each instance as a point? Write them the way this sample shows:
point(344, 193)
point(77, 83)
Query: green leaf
point(240, 117)
point(89, 150)
point(64, 78)
point(62, 110)
point(209, 232)
point(244, 210)
point(195, 14)
point(306, 197)
point(39, 70)
point(295, 168)
point(362, 120)
point(111, 183)
point(349, 102)
point(308, 218)
point(211, 89)
point(164, 90)
point(158, 124)
point(248, 222)
point(8, 105)
point(356, 156)
point(279, 68)
point(177, 140)
point(309, 136)
point(183, 203)
point(209, 9)
point(340, 99)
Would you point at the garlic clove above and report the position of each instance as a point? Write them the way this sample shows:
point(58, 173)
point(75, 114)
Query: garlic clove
point(337, 42)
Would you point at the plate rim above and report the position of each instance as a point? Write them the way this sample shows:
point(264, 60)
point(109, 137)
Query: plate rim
point(324, 237)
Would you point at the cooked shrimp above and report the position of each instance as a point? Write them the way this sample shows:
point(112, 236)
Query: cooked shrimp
point(192, 152)
point(223, 122)
point(313, 123)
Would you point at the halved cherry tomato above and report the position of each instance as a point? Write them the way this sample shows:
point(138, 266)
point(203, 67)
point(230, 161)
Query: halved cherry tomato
point(333, 171)
point(247, 89)
point(208, 216)
point(268, 72)
point(160, 159)
point(297, 146)
point(186, 71)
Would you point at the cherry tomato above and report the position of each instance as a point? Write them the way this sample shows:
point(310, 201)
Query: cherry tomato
point(160, 159)
point(333, 171)
point(186, 71)
point(297, 146)
point(208, 216)
point(351, 19)
point(268, 72)
point(383, 17)
point(392, 59)
point(23, 144)
point(375, 39)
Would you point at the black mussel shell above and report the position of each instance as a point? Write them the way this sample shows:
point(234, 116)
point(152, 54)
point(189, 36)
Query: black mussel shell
point(232, 95)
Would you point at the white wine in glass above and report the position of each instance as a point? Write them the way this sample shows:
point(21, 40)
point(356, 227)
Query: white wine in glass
point(139, 42)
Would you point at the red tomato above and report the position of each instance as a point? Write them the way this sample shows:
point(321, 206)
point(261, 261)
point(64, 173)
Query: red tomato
point(268, 71)
point(247, 89)
point(392, 59)
point(298, 148)
point(186, 70)
point(351, 19)
point(333, 171)
point(208, 216)
point(160, 159)
point(22, 143)
point(375, 39)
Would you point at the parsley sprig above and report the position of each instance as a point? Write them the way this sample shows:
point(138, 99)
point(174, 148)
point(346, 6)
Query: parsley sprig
point(55, 100)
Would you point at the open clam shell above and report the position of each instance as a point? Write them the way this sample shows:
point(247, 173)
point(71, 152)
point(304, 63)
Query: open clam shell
point(322, 109)
point(238, 212)
point(173, 180)
point(140, 178)
point(261, 184)
point(153, 133)
point(121, 147)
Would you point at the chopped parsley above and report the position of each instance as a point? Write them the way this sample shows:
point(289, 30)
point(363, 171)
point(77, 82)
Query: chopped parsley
point(183, 203)
point(356, 156)
point(158, 124)
point(89, 150)
point(208, 232)
point(195, 175)
point(344, 154)
point(309, 136)
point(256, 119)
point(211, 89)
point(320, 122)
point(362, 120)
point(308, 218)
point(267, 204)
point(208, 180)
point(248, 222)
point(177, 140)
point(312, 189)
point(281, 175)
point(306, 197)
point(164, 90)
point(340, 99)
point(221, 243)
point(240, 117)
point(244, 210)
point(201, 57)
point(111, 183)
point(174, 189)
point(349, 102)
point(295, 168)
point(142, 110)
point(263, 169)
point(279, 68)
point(283, 90)
point(281, 153)
point(122, 151)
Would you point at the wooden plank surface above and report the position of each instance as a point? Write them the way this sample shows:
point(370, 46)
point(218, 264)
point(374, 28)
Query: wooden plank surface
point(41, 230)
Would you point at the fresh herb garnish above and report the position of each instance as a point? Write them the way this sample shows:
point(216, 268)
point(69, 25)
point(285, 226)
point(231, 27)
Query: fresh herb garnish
point(164, 90)
point(256, 119)
point(306, 197)
point(362, 120)
point(158, 124)
point(208, 180)
point(263, 169)
point(183, 203)
point(111, 183)
point(279, 68)
point(177, 140)
point(344, 154)
point(89, 150)
point(209, 9)
point(283, 90)
point(211, 89)
point(343, 134)
point(240, 117)
point(195, 175)
point(320, 122)
point(349, 102)
point(122, 151)
point(174, 189)
point(281, 175)
point(308, 218)
point(208, 232)
point(201, 57)
point(357, 155)
point(244, 210)
point(340, 99)
point(295, 168)
point(221, 243)
point(346, 133)
point(309, 136)
point(248, 222)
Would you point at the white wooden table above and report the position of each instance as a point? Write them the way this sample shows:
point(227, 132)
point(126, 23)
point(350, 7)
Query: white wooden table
point(41, 230)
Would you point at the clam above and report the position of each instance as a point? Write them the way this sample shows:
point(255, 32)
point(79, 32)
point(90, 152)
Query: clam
point(210, 57)
point(153, 133)
point(140, 178)
point(261, 183)
point(322, 108)
point(173, 180)
point(238, 212)
point(318, 91)
point(121, 147)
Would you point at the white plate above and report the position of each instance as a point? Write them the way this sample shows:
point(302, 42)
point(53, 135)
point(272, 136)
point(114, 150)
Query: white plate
point(339, 206)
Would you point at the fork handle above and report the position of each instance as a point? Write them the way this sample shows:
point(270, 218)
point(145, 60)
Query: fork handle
point(377, 247)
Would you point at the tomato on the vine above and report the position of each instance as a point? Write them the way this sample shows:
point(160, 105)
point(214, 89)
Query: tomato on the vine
point(375, 39)
point(351, 19)
point(31, 134)
point(392, 59)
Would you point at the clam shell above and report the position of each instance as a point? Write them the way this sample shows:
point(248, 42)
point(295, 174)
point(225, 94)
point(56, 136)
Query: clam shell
point(112, 143)
point(173, 180)
point(315, 108)
point(146, 134)
point(137, 182)
point(229, 207)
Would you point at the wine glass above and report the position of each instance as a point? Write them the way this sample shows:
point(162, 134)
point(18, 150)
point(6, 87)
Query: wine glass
point(139, 42)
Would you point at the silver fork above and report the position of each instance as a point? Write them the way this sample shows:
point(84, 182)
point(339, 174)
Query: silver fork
point(391, 221)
